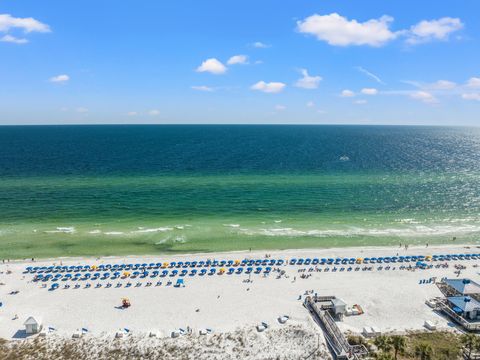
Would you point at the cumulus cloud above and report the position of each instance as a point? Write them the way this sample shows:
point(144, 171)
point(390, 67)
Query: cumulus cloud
point(471, 96)
point(369, 91)
point(260, 45)
point(347, 93)
point(428, 30)
point(473, 82)
point(424, 97)
point(213, 66)
point(340, 31)
point(271, 87)
point(12, 39)
point(202, 88)
point(307, 81)
point(154, 112)
point(28, 25)
point(59, 79)
point(238, 59)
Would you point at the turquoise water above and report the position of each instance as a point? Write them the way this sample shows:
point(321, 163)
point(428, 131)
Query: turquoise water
point(99, 190)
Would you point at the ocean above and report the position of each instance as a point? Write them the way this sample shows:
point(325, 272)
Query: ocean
point(128, 189)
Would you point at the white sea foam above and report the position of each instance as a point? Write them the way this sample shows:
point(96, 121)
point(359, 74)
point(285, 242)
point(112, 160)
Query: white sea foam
point(64, 230)
point(114, 233)
point(95, 232)
point(278, 221)
point(232, 225)
point(151, 230)
point(412, 231)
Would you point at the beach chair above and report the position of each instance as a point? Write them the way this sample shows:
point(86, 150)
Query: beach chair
point(128, 284)
point(88, 285)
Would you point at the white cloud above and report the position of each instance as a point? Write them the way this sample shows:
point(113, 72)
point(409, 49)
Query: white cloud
point(360, 102)
point(370, 74)
point(280, 107)
point(307, 81)
point(339, 31)
point(8, 22)
point(424, 96)
point(202, 88)
point(132, 113)
point(473, 82)
point(271, 87)
point(13, 39)
point(154, 112)
point(238, 59)
point(81, 110)
point(347, 93)
point(260, 45)
point(59, 79)
point(442, 85)
point(310, 104)
point(213, 66)
point(471, 96)
point(369, 91)
point(428, 30)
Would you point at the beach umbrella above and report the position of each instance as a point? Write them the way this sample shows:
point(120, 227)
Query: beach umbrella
point(184, 272)
point(251, 262)
point(315, 261)
point(193, 272)
point(179, 264)
point(201, 263)
point(308, 261)
point(187, 264)
point(155, 273)
point(272, 262)
point(208, 263)
point(212, 271)
point(230, 262)
point(258, 269)
point(330, 261)
point(239, 270)
point(174, 272)
point(268, 269)
point(151, 265)
point(193, 264)
point(231, 270)
point(222, 270)
point(222, 263)
point(293, 261)
point(203, 271)
point(280, 262)
point(299, 261)
point(58, 276)
point(264, 262)
point(173, 264)
point(215, 263)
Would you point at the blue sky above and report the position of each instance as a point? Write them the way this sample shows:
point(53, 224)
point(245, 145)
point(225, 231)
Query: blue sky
point(269, 61)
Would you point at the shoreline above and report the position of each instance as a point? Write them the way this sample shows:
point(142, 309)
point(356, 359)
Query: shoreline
point(253, 252)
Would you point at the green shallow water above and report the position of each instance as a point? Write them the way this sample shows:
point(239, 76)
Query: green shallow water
point(165, 214)
point(113, 190)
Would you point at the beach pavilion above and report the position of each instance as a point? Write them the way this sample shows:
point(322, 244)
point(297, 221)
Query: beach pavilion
point(460, 287)
point(465, 306)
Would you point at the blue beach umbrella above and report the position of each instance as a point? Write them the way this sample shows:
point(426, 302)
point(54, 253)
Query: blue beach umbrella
point(222, 263)
point(280, 262)
point(268, 269)
point(315, 261)
point(293, 261)
point(203, 271)
point(239, 270)
point(193, 272)
point(212, 271)
point(193, 264)
point(249, 270)
point(308, 261)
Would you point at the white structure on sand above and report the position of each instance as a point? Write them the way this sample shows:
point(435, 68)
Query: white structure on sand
point(33, 325)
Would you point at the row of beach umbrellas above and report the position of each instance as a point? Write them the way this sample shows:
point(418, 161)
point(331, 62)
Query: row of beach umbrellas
point(245, 263)
point(150, 274)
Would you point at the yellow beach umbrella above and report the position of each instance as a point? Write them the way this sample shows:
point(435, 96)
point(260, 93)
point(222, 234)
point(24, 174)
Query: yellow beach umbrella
point(165, 264)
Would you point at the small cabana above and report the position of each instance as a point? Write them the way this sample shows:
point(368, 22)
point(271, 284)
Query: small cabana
point(33, 325)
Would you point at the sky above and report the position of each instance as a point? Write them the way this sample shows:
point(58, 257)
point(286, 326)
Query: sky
point(231, 62)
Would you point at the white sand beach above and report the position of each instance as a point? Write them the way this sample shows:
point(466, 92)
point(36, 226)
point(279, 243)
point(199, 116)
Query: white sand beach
point(393, 300)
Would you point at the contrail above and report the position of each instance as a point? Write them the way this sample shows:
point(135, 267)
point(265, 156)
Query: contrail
point(369, 74)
